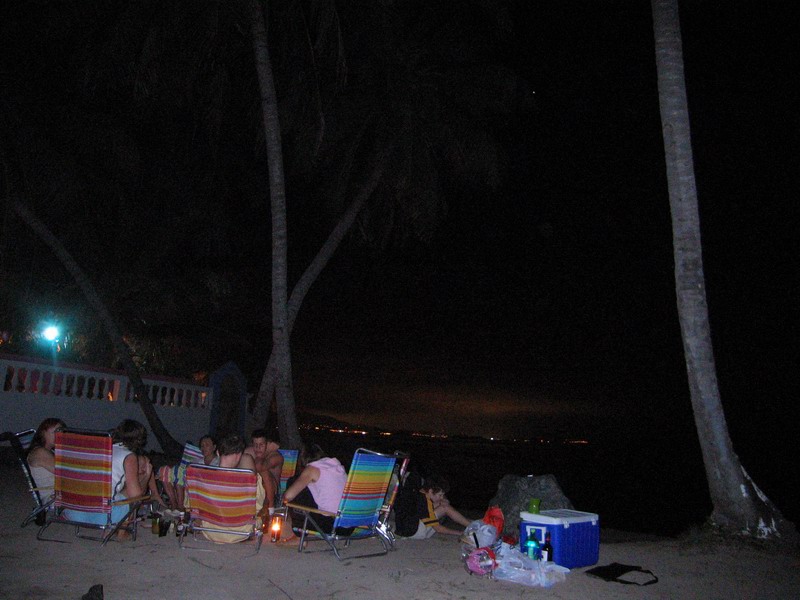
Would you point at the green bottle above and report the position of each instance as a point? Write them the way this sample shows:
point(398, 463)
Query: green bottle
point(532, 548)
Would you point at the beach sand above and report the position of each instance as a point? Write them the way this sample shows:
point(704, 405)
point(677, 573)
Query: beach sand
point(154, 567)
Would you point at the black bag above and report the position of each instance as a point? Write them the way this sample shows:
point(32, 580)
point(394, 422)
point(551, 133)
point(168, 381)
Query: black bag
point(614, 571)
point(406, 515)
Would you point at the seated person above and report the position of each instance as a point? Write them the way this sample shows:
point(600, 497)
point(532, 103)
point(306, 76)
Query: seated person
point(232, 456)
point(319, 485)
point(418, 517)
point(131, 473)
point(41, 456)
point(173, 477)
point(269, 463)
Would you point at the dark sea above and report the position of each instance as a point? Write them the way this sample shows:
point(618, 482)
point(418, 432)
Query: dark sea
point(639, 485)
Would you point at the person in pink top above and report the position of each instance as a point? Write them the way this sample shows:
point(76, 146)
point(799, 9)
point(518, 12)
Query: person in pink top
point(319, 485)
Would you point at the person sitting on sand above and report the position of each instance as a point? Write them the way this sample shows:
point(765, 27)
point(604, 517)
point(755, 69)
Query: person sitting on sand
point(41, 456)
point(420, 515)
point(269, 463)
point(319, 485)
point(232, 456)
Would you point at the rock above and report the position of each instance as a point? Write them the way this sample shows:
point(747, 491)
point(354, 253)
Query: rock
point(514, 491)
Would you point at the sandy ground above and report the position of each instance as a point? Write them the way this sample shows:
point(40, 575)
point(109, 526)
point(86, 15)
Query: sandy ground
point(154, 568)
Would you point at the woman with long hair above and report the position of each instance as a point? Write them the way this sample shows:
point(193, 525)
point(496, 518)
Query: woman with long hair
point(41, 456)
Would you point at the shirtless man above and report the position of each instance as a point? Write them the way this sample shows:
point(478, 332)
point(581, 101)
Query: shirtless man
point(268, 461)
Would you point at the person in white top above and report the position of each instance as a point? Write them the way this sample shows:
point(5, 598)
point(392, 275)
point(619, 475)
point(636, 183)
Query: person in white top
point(41, 456)
point(131, 471)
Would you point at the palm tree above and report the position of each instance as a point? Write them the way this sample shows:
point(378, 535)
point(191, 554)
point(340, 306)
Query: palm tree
point(418, 119)
point(739, 506)
point(287, 420)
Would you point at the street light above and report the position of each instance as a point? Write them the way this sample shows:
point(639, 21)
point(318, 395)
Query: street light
point(50, 333)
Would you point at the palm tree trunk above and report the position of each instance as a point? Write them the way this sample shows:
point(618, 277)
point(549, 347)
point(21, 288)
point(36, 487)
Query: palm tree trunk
point(301, 288)
point(739, 506)
point(287, 419)
point(167, 442)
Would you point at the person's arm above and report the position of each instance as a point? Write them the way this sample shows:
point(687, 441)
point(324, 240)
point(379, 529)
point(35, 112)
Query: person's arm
point(439, 528)
point(308, 475)
point(275, 464)
point(41, 457)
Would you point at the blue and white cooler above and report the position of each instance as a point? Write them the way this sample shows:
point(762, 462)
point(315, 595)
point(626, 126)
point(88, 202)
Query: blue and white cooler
point(574, 535)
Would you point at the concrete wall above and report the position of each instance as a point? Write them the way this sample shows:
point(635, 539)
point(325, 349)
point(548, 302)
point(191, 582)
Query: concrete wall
point(91, 398)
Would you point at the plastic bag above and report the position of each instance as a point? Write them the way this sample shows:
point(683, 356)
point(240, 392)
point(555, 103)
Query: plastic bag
point(480, 561)
point(479, 534)
point(517, 567)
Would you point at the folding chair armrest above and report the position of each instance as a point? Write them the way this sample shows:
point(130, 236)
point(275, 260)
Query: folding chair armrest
point(310, 509)
point(142, 498)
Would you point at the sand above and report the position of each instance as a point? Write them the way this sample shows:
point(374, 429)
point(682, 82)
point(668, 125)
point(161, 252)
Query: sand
point(154, 567)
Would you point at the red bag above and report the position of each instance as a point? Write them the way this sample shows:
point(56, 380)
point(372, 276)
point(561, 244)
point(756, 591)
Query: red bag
point(494, 516)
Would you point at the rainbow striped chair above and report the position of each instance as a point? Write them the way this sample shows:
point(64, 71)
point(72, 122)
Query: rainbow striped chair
point(359, 509)
point(83, 495)
point(176, 474)
point(221, 502)
point(288, 469)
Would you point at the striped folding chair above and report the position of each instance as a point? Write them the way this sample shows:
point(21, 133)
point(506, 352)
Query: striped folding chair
point(359, 509)
point(176, 474)
point(222, 502)
point(20, 442)
point(83, 495)
point(288, 469)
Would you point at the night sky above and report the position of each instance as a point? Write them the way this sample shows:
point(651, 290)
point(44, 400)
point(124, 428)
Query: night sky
point(536, 294)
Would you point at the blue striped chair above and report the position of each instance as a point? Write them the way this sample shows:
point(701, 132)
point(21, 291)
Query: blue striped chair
point(359, 509)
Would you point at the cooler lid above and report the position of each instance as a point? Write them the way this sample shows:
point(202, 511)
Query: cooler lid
point(559, 516)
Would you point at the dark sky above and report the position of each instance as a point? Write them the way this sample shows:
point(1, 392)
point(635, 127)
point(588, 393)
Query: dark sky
point(542, 304)
point(552, 301)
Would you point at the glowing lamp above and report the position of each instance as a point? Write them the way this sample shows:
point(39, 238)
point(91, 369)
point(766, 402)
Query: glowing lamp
point(275, 528)
point(50, 333)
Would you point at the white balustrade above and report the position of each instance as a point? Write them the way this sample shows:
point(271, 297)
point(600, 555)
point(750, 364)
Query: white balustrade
point(83, 396)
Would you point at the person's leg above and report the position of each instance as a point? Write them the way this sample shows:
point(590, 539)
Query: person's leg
point(271, 489)
point(180, 497)
point(423, 532)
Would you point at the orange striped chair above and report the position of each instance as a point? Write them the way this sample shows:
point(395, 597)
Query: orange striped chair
point(360, 508)
point(83, 495)
point(221, 502)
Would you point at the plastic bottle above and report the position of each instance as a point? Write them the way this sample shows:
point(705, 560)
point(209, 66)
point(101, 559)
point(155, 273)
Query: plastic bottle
point(547, 548)
point(532, 548)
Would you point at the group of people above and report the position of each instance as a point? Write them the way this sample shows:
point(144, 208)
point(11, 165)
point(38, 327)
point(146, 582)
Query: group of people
point(320, 483)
